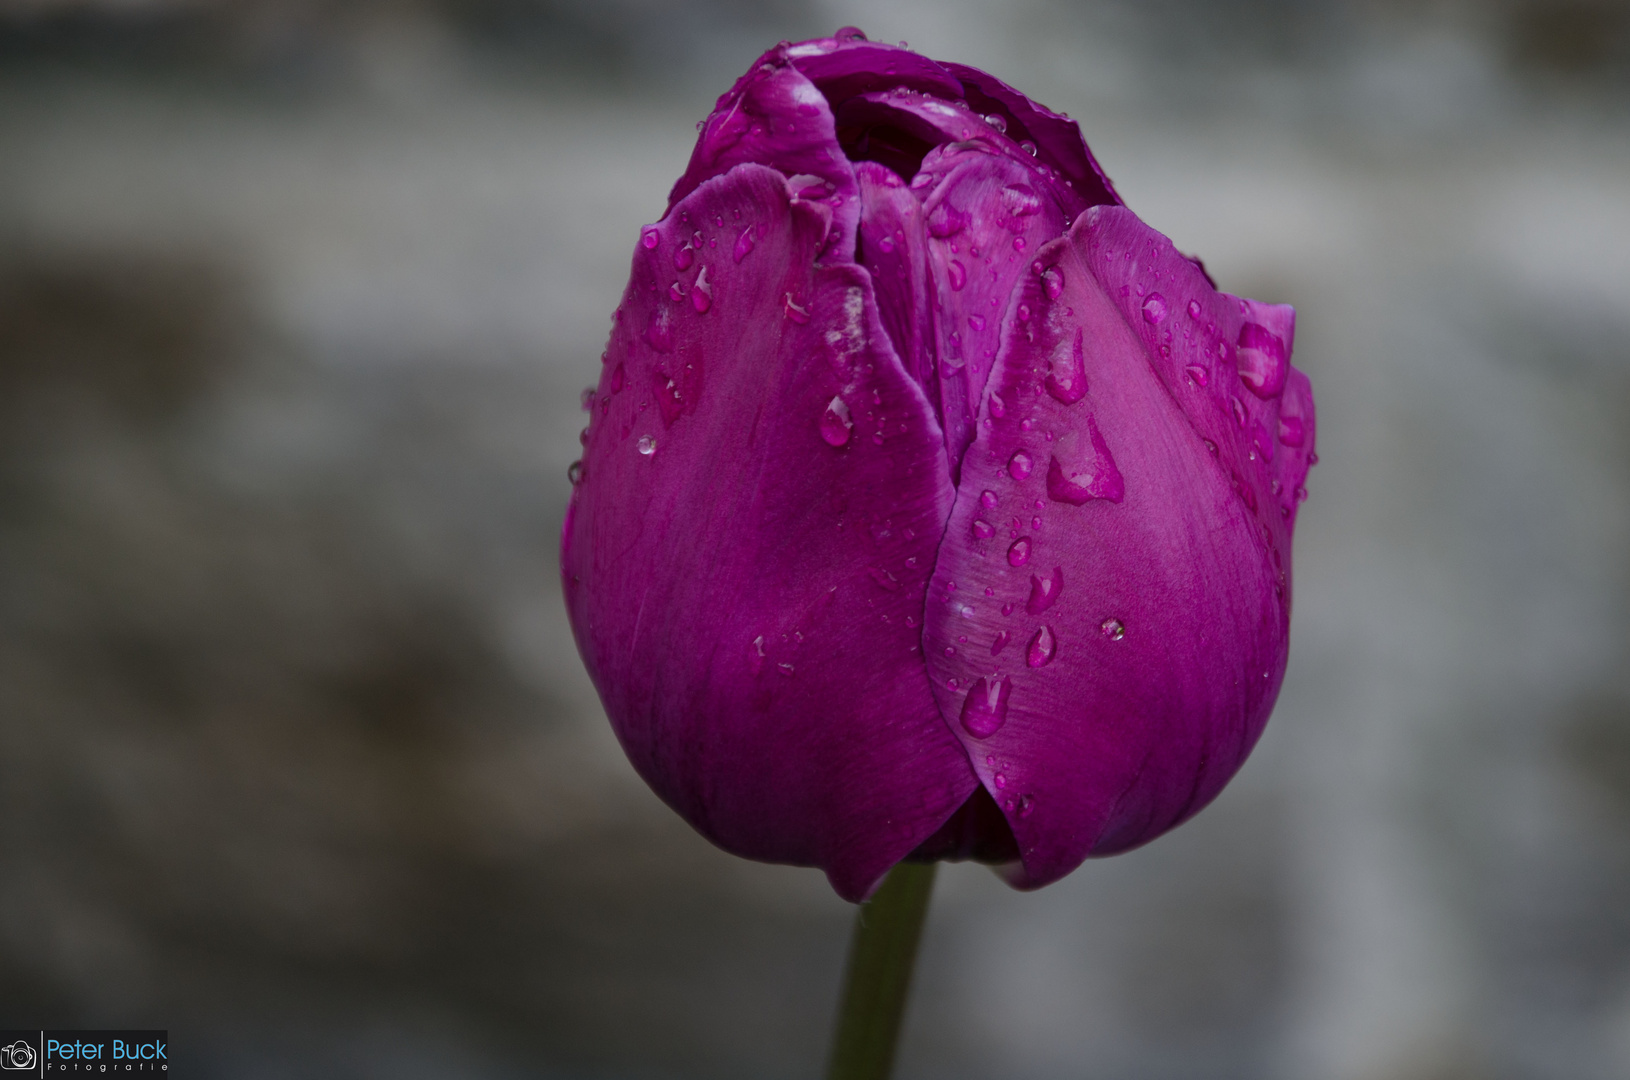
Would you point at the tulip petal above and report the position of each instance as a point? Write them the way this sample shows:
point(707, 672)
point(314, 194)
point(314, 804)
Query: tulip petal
point(747, 552)
point(776, 116)
point(1057, 138)
point(1149, 575)
point(985, 217)
point(854, 65)
point(894, 250)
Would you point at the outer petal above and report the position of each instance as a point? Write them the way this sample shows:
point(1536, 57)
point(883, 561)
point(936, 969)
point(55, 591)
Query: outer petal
point(775, 116)
point(847, 64)
point(1107, 622)
point(747, 553)
point(894, 250)
point(984, 215)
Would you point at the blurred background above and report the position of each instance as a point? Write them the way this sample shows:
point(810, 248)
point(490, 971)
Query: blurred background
point(297, 758)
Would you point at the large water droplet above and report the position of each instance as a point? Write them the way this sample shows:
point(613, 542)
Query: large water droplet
point(1154, 308)
point(1067, 371)
point(1019, 553)
point(1292, 431)
point(684, 257)
point(646, 445)
point(997, 121)
point(1082, 469)
point(1042, 648)
point(1052, 282)
point(987, 499)
point(984, 710)
point(1113, 629)
point(744, 244)
point(1044, 591)
point(1019, 465)
point(1262, 361)
point(957, 274)
point(982, 529)
point(701, 294)
point(835, 422)
point(650, 238)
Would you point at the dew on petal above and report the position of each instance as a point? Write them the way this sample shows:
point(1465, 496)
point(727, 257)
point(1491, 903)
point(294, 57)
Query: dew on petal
point(1262, 360)
point(1113, 629)
point(957, 274)
point(987, 499)
point(794, 311)
point(1067, 371)
point(836, 425)
point(701, 294)
point(1019, 465)
point(744, 244)
point(1292, 431)
point(982, 529)
point(1154, 308)
point(1043, 647)
point(1044, 592)
point(650, 238)
point(1198, 373)
point(1052, 282)
point(683, 257)
point(1000, 642)
point(1019, 552)
point(1194, 309)
point(574, 473)
point(646, 445)
point(984, 710)
point(1082, 469)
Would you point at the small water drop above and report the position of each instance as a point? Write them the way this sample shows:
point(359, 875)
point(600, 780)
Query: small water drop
point(1000, 642)
point(1292, 431)
point(1028, 147)
point(1154, 308)
point(647, 445)
point(1019, 465)
point(987, 499)
point(1024, 312)
point(982, 529)
point(1019, 552)
point(574, 473)
point(835, 423)
point(1018, 244)
point(701, 294)
point(784, 668)
point(794, 311)
point(1194, 309)
point(683, 257)
point(976, 322)
point(957, 274)
point(1067, 371)
point(744, 244)
point(1044, 592)
point(1113, 629)
point(1027, 805)
point(676, 292)
point(1198, 373)
point(997, 121)
point(998, 407)
point(1052, 282)
point(1043, 647)
point(650, 238)
point(1262, 360)
point(984, 710)
point(1239, 411)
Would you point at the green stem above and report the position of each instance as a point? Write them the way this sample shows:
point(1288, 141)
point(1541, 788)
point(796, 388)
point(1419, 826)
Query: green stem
point(881, 954)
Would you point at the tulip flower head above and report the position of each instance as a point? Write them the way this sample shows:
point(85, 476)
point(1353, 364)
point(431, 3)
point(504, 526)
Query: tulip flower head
point(932, 505)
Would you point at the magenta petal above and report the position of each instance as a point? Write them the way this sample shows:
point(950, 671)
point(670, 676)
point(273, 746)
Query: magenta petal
point(746, 556)
point(1159, 637)
point(986, 219)
point(843, 69)
point(894, 250)
point(775, 116)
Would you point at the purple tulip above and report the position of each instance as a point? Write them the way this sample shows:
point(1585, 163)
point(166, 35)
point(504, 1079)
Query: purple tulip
point(932, 505)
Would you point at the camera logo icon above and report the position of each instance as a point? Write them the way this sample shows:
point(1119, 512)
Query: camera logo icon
point(19, 1055)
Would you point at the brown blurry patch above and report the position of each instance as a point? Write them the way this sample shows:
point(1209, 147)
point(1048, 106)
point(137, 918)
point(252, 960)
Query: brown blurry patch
point(1568, 37)
point(1596, 741)
point(143, 333)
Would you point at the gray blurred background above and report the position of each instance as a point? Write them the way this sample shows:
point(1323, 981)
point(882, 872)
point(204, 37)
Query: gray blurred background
point(296, 755)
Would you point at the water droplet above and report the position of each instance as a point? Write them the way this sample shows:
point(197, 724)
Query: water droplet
point(574, 473)
point(1007, 608)
point(676, 292)
point(1028, 147)
point(987, 499)
point(1082, 469)
point(946, 220)
point(1027, 805)
point(1239, 411)
point(784, 668)
point(957, 274)
point(744, 244)
point(984, 710)
point(976, 322)
point(647, 445)
point(851, 33)
point(1042, 648)
point(1198, 373)
point(883, 578)
point(1291, 430)
point(585, 400)
point(1019, 553)
point(1262, 360)
point(1018, 244)
point(1154, 308)
point(1211, 446)
point(659, 331)
point(1000, 642)
point(1194, 309)
point(1113, 629)
point(1024, 313)
point(1052, 282)
point(1300, 493)
point(650, 238)
point(684, 257)
point(701, 294)
point(618, 376)
point(966, 611)
point(1067, 371)
point(835, 423)
point(1019, 465)
point(982, 529)
point(1044, 591)
point(997, 121)
point(998, 407)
